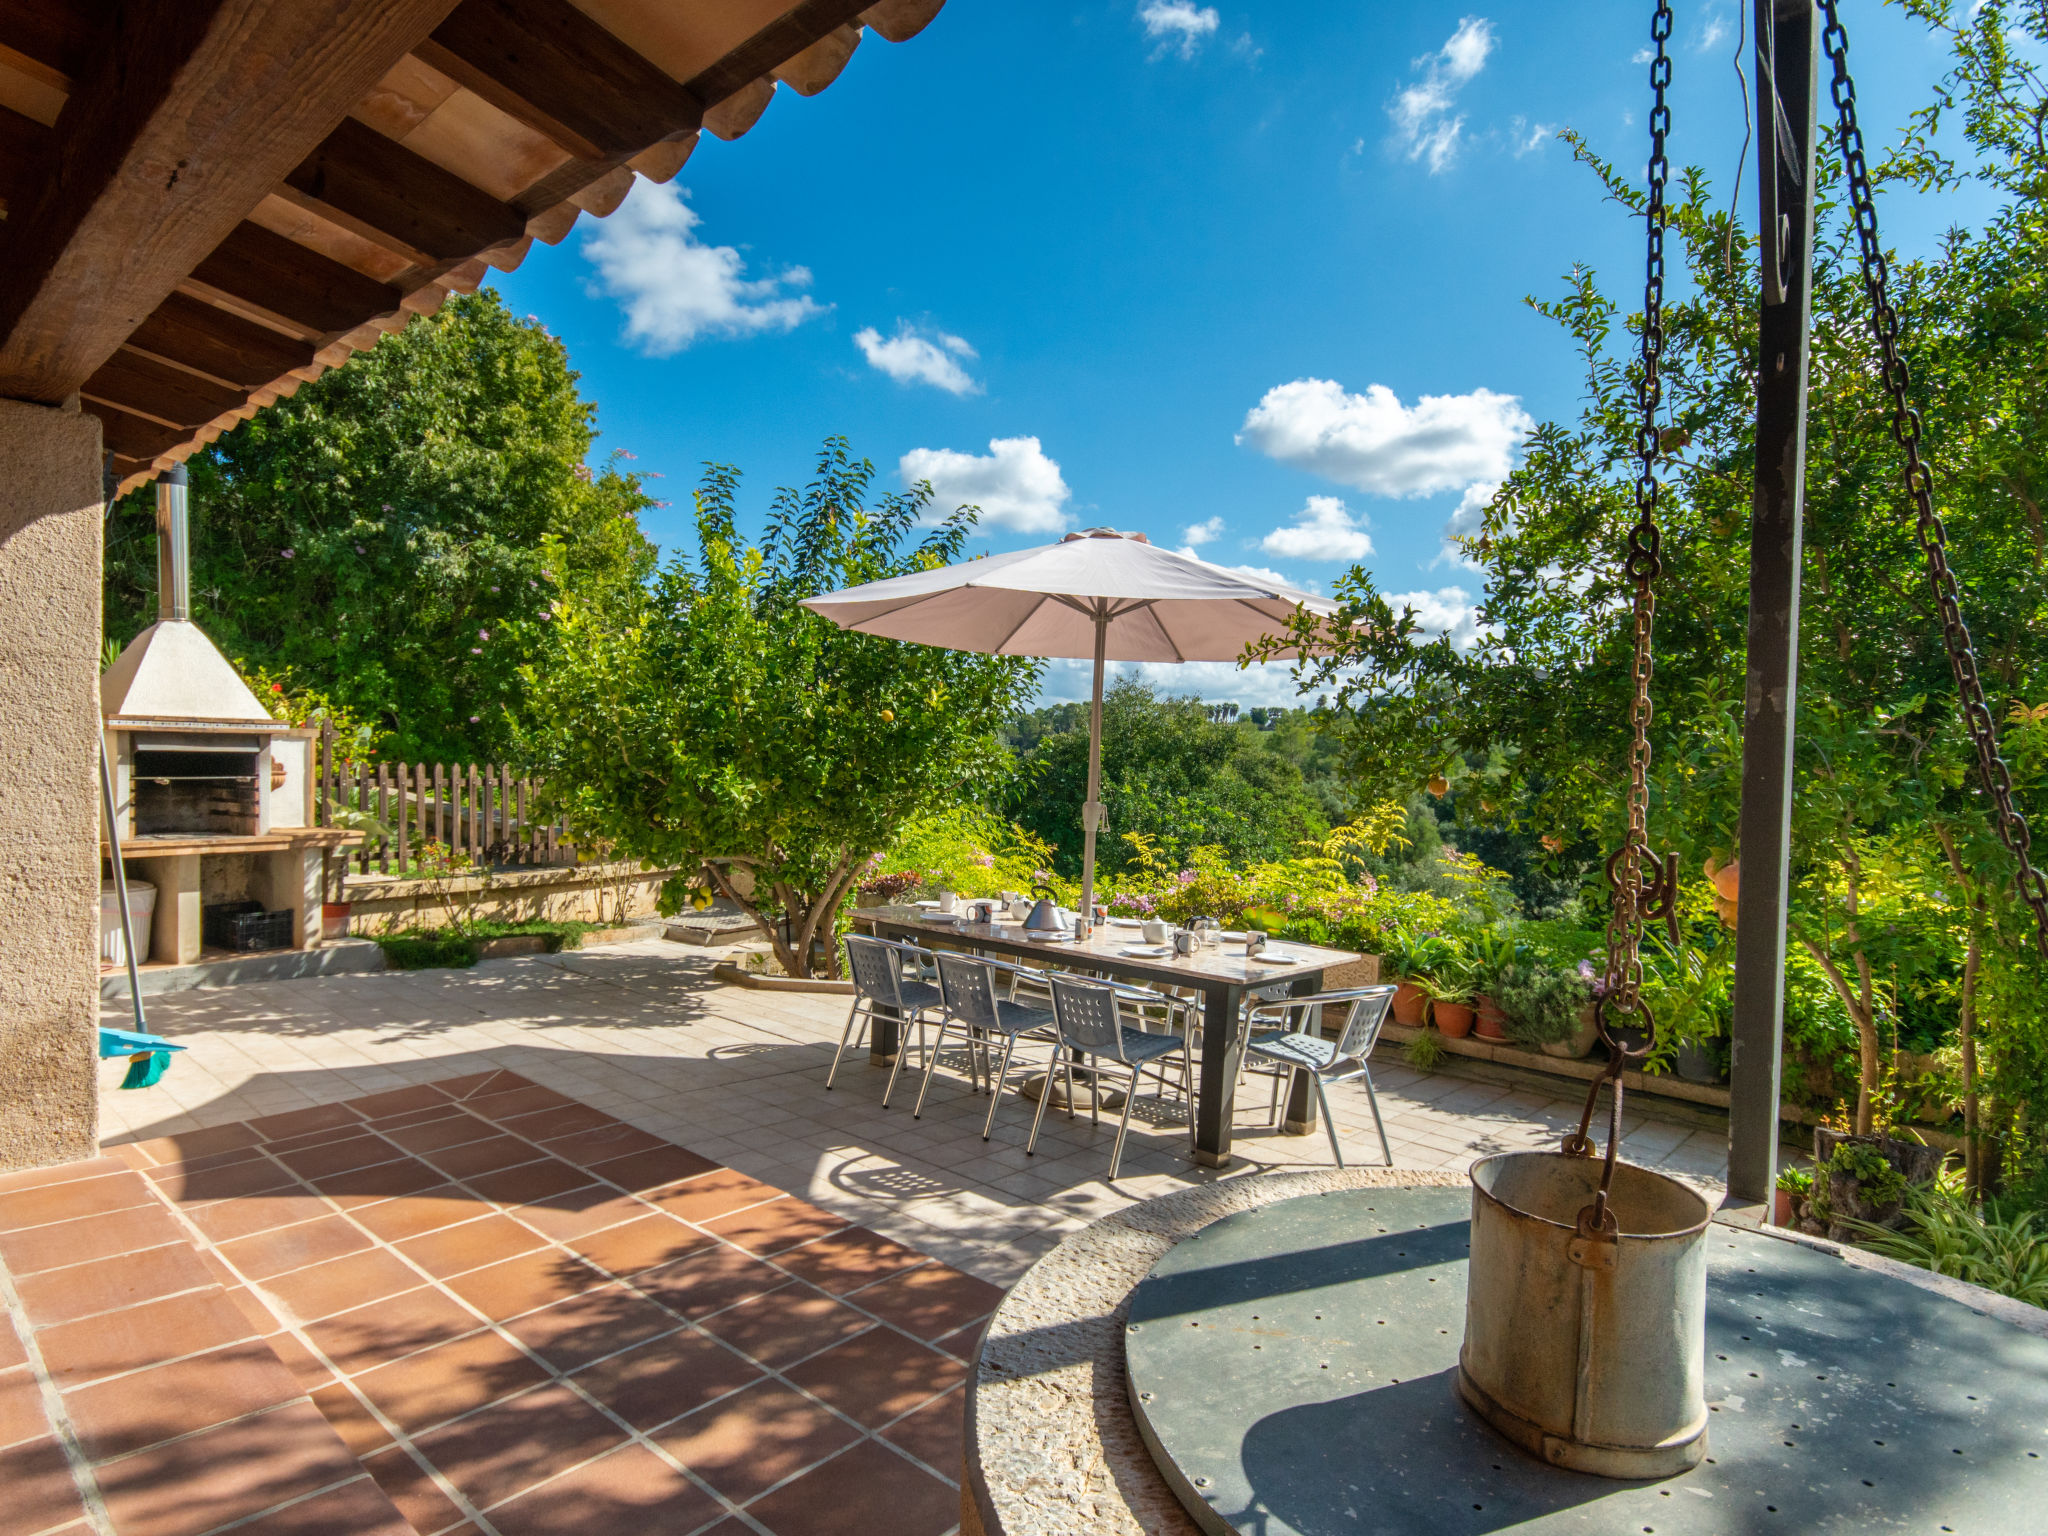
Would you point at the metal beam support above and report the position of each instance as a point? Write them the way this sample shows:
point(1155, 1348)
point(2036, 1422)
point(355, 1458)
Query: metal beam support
point(1787, 53)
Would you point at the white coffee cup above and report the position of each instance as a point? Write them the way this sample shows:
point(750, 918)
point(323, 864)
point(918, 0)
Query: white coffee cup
point(1155, 932)
point(1020, 909)
point(948, 900)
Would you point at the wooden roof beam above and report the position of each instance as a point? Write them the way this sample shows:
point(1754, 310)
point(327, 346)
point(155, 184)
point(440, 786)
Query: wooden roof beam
point(385, 192)
point(234, 350)
point(180, 120)
point(293, 285)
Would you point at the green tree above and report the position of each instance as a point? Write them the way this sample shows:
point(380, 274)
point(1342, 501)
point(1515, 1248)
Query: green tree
point(1170, 773)
point(716, 725)
point(382, 536)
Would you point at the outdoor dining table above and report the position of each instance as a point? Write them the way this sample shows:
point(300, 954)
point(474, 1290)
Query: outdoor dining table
point(1222, 974)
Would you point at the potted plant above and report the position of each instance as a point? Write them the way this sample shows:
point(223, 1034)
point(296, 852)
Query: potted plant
point(1495, 958)
point(1861, 1181)
point(1448, 987)
point(1549, 1009)
point(1788, 1200)
point(1407, 960)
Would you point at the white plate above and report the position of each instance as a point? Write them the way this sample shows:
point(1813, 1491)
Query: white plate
point(1146, 952)
point(1276, 957)
point(1126, 922)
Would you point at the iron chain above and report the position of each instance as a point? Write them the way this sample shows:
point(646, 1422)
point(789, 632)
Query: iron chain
point(1919, 482)
point(1625, 872)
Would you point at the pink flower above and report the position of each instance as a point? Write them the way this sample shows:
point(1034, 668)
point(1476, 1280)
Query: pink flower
point(475, 719)
point(476, 650)
point(290, 554)
point(485, 634)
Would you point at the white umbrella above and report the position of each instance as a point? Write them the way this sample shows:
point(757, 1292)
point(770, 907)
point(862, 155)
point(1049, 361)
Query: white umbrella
point(1098, 593)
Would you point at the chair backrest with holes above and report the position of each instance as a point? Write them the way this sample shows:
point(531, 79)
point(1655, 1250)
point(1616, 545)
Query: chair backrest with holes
point(1087, 1016)
point(876, 972)
point(1369, 1007)
point(967, 989)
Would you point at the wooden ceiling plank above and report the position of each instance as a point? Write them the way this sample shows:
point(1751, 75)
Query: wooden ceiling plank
point(552, 67)
point(129, 436)
point(150, 388)
point(284, 278)
point(181, 118)
point(239, 351)
point(55, 33)
point(360, 173)
point(25, 146)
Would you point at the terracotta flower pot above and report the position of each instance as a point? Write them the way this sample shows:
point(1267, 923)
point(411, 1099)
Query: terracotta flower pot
point(1781, 1207)
point(1581, 1042)
point(1453, 1020)
point(1411, 1004)
point(1493, 1024)
point(334, 919)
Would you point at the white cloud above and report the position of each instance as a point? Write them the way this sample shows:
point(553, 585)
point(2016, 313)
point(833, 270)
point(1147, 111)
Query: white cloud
point(1016, 486)
point(1446, 611)
point(1642, 56)
point(1180, 25)
point(1714, 33)
point(1203, 533)
point(1525, 137)
point(674, 289)
point(1324, 529)
point(1262, 685)
point(1465, 522)
point(1376, 444)
point(912, 357)
point(1425, 127)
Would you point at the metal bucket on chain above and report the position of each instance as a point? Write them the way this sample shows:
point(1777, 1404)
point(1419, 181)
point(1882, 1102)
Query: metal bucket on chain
point(1585, 1333)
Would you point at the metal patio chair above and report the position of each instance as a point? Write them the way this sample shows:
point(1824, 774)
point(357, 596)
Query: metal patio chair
point(969, 991)
point(1099, 1044)
point(876, 968)
point(1303, 1044)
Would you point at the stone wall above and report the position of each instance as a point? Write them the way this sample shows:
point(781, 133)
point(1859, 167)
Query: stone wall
point(49, 783)
point(589, 893)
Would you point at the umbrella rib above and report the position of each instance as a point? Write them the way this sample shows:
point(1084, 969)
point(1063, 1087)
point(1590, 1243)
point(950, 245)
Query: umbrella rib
point(1029, 614)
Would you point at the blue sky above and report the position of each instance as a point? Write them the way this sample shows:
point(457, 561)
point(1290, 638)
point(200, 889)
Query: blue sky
point(1246, 279)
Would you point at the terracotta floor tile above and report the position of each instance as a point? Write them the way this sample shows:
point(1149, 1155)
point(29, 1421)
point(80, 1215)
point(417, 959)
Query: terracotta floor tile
point(769, 1229)
point(199, 1162)
point(753, 1439)
point(345, 1414)
point(359, 1508)
point(485, 1156)
point(406, 1483)
point(631, 1489)
point(561, 1120)
point(187, 1145)
point(340, 1156)
point(644, 1244)
point(451, 1250)
point(443, 1109)
point(80, 1290)
point(250, 1173)
point(482, 1082)
point(287, 1248)
point(278, 1146)
point(449, 1379)
point(298, 1122)
point(254, 1309)
point(519, 1285)
point(965, 1344)
point(94, 1237)
point(877, 1376)
point(511, 1445)
point(228, 1220)
point(340, 1285)
point(225, 1473)
point(62, 1173)
point(604, 1145)
point(577, 1212)
point(359, 1187)
point(306, 1370)
point(656, 1166)
point(398, 1101)
point(849, 1259)
point(869, 1488)
point(706, 1197)
point(666, 1378)
point(529, 1182)
point(934, 1433)
point(708, 1281)
point(584, 1328)
point(786, 1325)
point(144, 1407)
point(40, 1490)
point(384, 1330)
point(21, 1407)
point(146, 1335)
point(443, 1131)
point(11, 1352)
point(45, 1203)
point(930, 1302)
point(508, 1104)
point(428, 1211)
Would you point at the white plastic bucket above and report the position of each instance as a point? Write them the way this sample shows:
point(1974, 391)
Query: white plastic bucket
point(141, 908)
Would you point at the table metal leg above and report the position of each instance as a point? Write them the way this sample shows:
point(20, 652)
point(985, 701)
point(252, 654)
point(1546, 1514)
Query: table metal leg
point(1300, 1119)
point(1220, 1051)
point(885, 1031)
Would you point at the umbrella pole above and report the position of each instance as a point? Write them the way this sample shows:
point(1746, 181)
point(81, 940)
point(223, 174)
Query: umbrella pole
point(1091, 812)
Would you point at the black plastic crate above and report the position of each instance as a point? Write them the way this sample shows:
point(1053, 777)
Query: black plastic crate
point(244, 925)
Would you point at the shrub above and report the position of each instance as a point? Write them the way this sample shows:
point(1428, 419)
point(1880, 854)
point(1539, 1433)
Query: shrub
point(1542, 1005)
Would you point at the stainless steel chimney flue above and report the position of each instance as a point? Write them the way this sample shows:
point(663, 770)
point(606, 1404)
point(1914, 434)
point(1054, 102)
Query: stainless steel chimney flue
point(173, 551)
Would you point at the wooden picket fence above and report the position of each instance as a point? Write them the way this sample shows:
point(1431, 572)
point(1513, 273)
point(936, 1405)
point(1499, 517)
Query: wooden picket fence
point(480, 811)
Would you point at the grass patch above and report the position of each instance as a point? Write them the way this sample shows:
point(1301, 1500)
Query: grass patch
point(420, 949)
point(2003, 1249)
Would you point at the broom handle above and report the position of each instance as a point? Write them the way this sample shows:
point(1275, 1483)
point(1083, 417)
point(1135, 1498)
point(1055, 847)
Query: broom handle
point(121, 888)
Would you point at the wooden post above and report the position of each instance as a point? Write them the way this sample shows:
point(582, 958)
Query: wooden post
point(363, 805)
point(420, 795)
point(506, 838)
point(404, 811)
point(384, 819)
point(525, 835)
point(475, 791)
point(441, 831)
